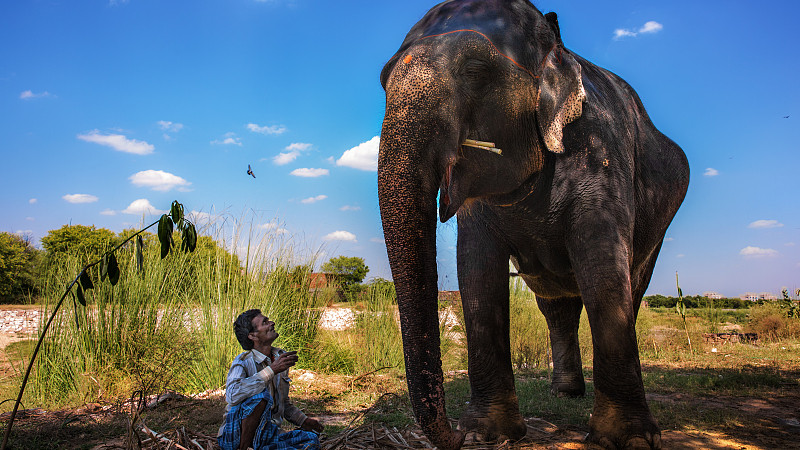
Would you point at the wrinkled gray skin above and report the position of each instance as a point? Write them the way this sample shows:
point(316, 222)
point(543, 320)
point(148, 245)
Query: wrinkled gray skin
point(579, 201)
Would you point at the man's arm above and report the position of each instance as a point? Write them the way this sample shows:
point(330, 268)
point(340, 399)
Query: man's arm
point(239, 387)
point(292, 413)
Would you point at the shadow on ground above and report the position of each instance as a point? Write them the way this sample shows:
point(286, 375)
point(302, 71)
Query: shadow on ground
point(762, 414)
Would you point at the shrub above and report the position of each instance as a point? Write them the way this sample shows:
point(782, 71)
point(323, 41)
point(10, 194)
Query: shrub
point(19, 263)
point(771, 322)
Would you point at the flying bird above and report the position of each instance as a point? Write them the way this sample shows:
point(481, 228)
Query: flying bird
point(785, 117)
point(250, 171)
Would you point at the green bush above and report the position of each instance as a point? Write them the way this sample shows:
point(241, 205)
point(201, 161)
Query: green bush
point(88, 243)
point(19, 266)
point(771, 322)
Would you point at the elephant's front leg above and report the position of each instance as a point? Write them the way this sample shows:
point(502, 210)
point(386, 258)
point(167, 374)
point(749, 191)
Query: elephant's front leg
point(483, 280)
point(621, 417)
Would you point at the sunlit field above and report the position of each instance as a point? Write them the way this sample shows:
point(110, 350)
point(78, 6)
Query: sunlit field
point(168, 328)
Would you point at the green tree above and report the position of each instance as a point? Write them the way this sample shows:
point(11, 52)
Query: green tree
point(18, 266)
point(88, 243)
point(350, 272)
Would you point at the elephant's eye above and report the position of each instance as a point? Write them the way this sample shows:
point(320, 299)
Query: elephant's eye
point(476, 75)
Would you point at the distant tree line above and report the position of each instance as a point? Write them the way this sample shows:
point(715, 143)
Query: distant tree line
point(697, 301)
point(23, 267)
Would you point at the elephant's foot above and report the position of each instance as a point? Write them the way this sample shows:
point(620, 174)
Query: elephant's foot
point(648, 441)
point(568, 385)
point(615, 427)
point(494, 422)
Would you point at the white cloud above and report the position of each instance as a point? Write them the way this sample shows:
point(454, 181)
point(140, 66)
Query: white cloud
point(30, 95)
point(765, 224)
point(378, 240)
point(80, 198)
point(285, 158)
point(228, 139)
point(350, 208)
point(118, 142)
point(274, 129)
point(33, 201)
point(310, 173)
point(619, 33)
point(158, 180)
point(293, 151)
point(648, 28)
point(651, 27)
point(669, 239)
point(790, 244)
point(170, 126)
point(680, 255)
point(273, 227)
point(108, 212)
point(341, 236)
point(141, 206)
point(756, 252)
point(364, 156)
point(311, 200)
point(30, 219)
point(711, 172)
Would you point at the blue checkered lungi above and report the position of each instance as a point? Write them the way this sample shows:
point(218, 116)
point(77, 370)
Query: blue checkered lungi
point(268, 435)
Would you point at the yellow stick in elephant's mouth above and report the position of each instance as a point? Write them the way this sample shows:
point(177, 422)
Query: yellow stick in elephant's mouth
point(482, 145)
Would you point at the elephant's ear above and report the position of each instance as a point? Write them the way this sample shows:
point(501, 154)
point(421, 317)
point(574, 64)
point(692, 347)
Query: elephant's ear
point(561, 96)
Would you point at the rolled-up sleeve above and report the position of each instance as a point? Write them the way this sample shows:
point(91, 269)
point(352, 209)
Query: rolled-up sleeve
point(292, 413)
point(239, 387)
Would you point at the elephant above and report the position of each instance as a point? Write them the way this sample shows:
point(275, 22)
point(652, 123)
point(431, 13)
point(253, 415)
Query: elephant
point(546, 160)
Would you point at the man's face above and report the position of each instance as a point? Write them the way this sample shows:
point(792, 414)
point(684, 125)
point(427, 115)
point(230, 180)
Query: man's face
point(263, 330)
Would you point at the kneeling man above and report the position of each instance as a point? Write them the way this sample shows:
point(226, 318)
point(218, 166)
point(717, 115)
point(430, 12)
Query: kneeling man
point(257, 392)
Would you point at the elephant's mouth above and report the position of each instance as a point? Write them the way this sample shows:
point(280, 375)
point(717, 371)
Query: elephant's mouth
point(449, 199)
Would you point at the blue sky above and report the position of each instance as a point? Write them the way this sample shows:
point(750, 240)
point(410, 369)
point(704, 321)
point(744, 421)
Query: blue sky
point(112, 109)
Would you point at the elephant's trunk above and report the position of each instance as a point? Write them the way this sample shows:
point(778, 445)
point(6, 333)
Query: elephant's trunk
point(408, 180)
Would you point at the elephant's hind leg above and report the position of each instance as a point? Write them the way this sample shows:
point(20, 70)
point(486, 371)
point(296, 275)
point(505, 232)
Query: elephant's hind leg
point(563, 317)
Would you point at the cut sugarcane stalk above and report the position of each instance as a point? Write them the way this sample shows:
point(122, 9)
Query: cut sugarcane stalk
point(474, 143)
point(482, 145)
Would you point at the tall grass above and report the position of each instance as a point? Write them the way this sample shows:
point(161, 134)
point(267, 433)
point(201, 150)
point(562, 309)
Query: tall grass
point(170, 325)
point(530, 339)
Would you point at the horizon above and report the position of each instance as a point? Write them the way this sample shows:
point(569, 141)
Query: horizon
point(113, 109)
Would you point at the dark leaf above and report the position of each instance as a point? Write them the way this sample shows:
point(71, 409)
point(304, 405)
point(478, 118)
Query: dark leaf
point(177, 213)
point(193, 234)
point(139, 252)
point(165, 234)
point(113, 269)
point(81, 297)
point(104, 268)
point(86, 282)
point(189, 238)
point(164, 228)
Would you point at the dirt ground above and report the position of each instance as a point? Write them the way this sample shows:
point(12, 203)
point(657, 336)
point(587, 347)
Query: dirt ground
point(94, 427)
point(769, 421)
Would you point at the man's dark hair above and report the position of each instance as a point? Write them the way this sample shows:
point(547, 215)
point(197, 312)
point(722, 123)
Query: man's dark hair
point(244, 326)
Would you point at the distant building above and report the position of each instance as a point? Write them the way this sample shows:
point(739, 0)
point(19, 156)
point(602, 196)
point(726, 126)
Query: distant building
point(712, 295)
point(753, 297)
point(323, 280)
